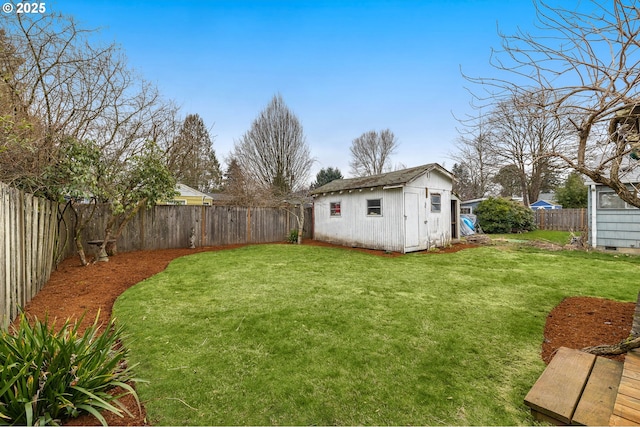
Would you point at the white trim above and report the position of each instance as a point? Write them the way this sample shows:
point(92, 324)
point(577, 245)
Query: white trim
point(594, 213)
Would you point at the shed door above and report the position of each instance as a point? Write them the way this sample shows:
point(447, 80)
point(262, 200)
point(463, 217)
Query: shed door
point(411, 220)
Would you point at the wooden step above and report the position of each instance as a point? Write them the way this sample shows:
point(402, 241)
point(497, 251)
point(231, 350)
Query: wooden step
point(598, 398)
point(555, 396)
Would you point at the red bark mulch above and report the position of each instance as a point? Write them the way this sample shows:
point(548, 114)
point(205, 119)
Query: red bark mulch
point(74, 290)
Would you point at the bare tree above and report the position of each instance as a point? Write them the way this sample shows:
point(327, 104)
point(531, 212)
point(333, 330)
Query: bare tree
point(274, 153)
point(191, 156)
point(587, 63)
point(74, 91)
point(371, 152)
point(525, 134)
point(17, 127)
point(475, 164)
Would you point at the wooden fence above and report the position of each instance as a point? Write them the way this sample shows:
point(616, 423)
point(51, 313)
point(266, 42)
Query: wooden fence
point(28, 246)
point(35, 234)
point(561, 219)
point(167, 227)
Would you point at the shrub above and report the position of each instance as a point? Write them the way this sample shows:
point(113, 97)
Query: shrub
point(498, 215)
point(47, 376)
point(293, 236)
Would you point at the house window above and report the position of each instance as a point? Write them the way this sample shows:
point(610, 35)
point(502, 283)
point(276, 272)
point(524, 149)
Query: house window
point(436, 202)
point(466, 210)
point(334, 209)
point(610, 200)
point(374, 207)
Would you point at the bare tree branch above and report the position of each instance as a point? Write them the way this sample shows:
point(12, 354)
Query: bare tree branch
point(371, 152)
point(274, 153)
point(587, 61)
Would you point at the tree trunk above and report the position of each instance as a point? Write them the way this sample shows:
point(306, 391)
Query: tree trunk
point(80, 249)
point(301, 223)
point(102, 251)
point(79, 228)
point(615, 349)
point(109, 246)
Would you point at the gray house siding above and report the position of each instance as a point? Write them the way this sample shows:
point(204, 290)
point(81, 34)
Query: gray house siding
point(612, 228)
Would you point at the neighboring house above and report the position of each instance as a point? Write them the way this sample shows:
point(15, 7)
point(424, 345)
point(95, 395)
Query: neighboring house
point(468, 207)
point(613, 223)
point(403, 211)
point(544, 204)
point(189, 196)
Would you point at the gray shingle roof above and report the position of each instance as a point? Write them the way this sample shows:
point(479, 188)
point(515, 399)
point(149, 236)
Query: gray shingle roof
point(399, 177)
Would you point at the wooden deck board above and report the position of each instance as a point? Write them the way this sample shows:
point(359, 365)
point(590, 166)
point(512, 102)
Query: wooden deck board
point(631, 402)
point(632, 374)
point(626, 410)
point(618, 421)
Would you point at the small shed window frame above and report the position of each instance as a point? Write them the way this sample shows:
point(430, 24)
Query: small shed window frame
point(335, 209)
point(613, 197)
point(436, 202)
point(374, 209)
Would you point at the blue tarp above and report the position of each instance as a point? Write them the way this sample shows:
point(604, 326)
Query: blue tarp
point(467, 224)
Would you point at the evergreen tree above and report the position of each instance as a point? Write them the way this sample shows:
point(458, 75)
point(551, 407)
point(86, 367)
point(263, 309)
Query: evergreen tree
point(573, 194)
point(325, 176)
point(192, 159)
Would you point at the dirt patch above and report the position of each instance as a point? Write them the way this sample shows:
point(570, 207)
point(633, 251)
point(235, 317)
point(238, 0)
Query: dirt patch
point(74, 290)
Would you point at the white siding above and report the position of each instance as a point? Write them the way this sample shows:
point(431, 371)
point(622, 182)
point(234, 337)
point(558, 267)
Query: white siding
point(387, 232)
point(435, 228)
point(354, 227)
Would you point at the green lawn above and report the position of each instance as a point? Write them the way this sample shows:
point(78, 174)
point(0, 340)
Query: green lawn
point(285, 334)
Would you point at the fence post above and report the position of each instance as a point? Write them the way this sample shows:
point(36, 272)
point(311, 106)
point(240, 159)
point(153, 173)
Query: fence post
point(248, 224)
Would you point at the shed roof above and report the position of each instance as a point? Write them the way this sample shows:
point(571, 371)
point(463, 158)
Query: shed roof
point(395, 178)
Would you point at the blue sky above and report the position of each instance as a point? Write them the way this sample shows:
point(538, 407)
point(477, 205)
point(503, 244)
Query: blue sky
point(343, 67)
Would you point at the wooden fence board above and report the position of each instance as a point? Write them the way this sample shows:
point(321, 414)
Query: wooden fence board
point(28, 241)
point(5, 261)
point(561, 219)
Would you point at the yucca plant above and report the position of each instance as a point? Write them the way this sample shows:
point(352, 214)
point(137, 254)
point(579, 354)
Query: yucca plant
point(49, 374)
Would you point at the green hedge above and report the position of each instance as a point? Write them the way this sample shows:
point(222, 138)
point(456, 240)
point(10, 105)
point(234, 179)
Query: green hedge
point(499, 215)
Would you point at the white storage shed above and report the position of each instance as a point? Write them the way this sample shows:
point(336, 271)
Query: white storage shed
point(402, 211)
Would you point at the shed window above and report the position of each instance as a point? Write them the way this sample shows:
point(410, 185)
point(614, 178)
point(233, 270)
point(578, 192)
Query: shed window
point(334, 209)
point(436, 202)
point(374, 207)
